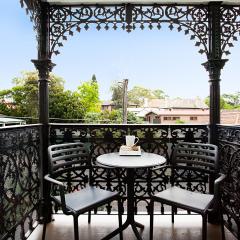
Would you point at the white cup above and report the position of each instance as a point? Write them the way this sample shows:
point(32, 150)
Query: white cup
point(131, 140)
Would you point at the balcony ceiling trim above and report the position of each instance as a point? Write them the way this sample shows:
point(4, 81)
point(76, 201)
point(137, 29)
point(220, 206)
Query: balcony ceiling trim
point(78, 2)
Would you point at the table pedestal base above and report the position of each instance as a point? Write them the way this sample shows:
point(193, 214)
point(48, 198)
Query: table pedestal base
point(130, 209)
point(134, 226)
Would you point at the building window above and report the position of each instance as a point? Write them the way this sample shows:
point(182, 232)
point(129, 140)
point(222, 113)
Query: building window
point(193, 118)
point(175, 118)
point(167, 118)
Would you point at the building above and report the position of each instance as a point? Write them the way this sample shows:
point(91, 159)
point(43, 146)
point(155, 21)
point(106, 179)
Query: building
point(108, 105)
point(170, 111)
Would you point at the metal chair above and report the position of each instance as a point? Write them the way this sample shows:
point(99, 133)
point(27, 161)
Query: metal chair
point(192, 163)
point(71, 160)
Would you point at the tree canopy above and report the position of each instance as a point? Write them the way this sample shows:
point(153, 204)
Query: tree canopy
point(136, 95)
point(65, 104)
point(228, 101)
point(114, 116)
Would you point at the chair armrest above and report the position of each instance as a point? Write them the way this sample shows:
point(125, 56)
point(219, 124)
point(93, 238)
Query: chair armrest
point(217, 183)
point(54, 181)
point(217, 190)
point(61, 189)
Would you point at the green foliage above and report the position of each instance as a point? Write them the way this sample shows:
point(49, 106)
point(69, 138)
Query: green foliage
point(223, 104)
point(88, 95)
point(132, 118)
point(138, 93)
point(179, 121)
point(114, 116)
point(117, 95)
point(135, 95)
point(227, 101)
point(62, 103)
point(232, 100)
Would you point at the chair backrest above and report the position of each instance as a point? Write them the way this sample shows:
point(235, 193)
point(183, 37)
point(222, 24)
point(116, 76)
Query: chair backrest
point(194, 163)
point(70, 162)
point(196, 156)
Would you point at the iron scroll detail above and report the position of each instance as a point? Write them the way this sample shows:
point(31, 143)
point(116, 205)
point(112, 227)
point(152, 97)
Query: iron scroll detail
point(193, 20)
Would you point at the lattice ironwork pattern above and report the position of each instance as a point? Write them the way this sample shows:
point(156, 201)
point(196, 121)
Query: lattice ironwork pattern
point(102, 139)
point(193, 20)
point(229, 144)
point(230, 26)
point(19, 181)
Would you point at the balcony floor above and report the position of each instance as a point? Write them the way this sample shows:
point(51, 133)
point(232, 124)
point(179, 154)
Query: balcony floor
point(185, 228)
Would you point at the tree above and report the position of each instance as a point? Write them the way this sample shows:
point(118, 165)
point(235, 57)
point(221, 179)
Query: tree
point(227, 101)
point(117, 95)
point(135, 95)
point(88, 95)
point(23, 96)
point(63, 104)
point(232, 99)
point(114, 116)
point(159, 94)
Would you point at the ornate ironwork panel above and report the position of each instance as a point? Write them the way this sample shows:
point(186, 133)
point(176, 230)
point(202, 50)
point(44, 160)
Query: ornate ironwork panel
point(229, 144)
point(64, 20)
point(192, 20)
point(154, 138)
point(230, 25)
point(19, 180)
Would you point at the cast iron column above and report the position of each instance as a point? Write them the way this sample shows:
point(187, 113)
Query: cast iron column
point(44, 65)
point(214, 65)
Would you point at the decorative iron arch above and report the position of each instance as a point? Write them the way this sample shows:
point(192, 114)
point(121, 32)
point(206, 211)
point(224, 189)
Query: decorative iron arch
point(64, 20)
point(192, 19)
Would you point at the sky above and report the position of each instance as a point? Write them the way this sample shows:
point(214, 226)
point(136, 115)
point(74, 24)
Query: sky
point(154, 59)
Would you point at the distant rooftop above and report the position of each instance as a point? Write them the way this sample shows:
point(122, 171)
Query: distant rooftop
point(176, 103)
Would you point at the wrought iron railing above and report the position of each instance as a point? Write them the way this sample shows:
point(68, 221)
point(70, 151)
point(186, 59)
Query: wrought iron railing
point(154, 138)
point(19, 161)
point(19, 180)
point(229, 145)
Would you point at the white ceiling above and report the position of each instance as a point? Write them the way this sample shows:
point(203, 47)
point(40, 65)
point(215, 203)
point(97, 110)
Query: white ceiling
point(72, 2)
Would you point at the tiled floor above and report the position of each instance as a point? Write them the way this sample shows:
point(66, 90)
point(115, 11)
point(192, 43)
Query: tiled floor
point(185, 228)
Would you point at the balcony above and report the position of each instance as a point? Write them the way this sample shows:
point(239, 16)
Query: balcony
point(185, 228)
point(21, 178)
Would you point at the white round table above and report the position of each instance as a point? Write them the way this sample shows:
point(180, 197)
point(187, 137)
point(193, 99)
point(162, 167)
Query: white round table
point(130, 163)
point(143, 161)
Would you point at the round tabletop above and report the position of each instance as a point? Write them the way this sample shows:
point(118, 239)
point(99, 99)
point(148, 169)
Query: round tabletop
point(143, 161)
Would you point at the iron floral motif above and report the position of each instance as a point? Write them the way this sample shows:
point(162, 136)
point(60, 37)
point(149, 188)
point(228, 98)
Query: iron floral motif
point(64, 20)
point(20, 184)
point(229, 145)
point(230, 27)
point(154, 138)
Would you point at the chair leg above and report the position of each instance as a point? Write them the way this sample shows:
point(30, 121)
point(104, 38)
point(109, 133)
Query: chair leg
point(89, 216)
point(120, 217)
point(44, 230)
point(151, 211)
point(173, 211)
point(75, 222)
point(222, 224)
point(204, 227)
